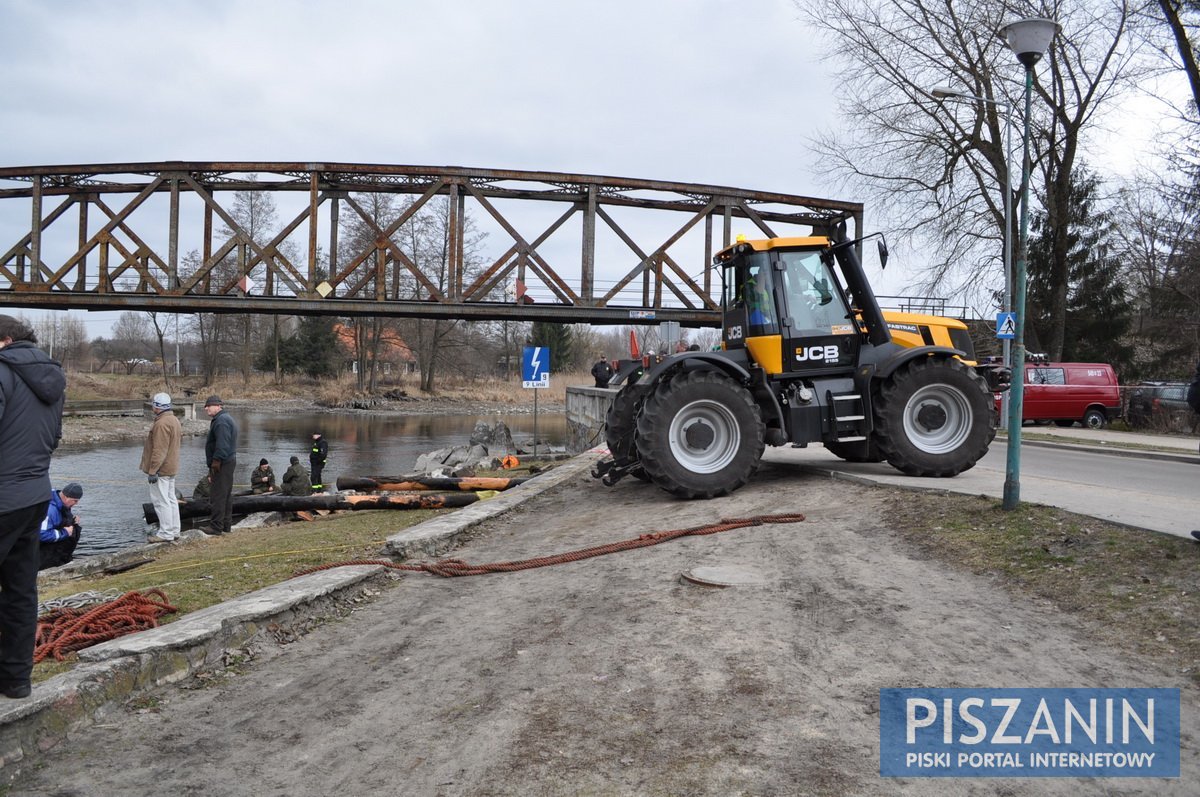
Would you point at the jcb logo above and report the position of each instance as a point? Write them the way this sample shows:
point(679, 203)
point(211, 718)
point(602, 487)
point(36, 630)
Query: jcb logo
point(814, 353)
point(735, 332)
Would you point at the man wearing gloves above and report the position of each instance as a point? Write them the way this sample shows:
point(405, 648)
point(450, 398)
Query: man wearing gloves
point(220, 452)
point(160, 463)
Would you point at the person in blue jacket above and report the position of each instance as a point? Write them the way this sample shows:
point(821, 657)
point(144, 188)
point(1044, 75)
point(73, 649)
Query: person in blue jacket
point(60, 529)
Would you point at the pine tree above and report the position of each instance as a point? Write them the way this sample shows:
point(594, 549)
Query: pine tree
point(1097, 320)
point(560, 340)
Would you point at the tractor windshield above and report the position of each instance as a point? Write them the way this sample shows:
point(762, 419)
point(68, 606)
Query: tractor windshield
point(815, 302)
point(748, 287)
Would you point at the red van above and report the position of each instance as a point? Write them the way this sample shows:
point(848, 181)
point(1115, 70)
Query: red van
point(1067, 393)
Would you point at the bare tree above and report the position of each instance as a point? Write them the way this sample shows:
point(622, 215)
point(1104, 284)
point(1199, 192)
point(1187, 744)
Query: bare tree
point(425, 238)
point(159, 322)
point(937, 172)
point(255, 218)
point(131, 341)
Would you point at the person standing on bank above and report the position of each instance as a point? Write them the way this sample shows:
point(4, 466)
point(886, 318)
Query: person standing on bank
point(32, 391)
point(602, 371)
point(220, 452)
point(316, 459)
point(160, 463)
point(60, 530)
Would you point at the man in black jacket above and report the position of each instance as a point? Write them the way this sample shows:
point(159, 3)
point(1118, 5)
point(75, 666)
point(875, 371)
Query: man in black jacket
point(220, 451)
point(602, 372)
point(32, 390)
point(316, 460)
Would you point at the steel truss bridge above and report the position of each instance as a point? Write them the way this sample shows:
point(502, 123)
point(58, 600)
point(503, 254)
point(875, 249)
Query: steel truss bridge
point(571, 248)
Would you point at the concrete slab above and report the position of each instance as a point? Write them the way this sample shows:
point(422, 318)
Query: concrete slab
point(207, 623)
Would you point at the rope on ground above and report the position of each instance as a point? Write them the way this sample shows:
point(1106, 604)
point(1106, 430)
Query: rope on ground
point(450, 568)
point(67, 630)
point(76, 601)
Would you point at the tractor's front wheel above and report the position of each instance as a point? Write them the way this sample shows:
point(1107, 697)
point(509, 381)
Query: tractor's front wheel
point(933, 417)
point(700, 435)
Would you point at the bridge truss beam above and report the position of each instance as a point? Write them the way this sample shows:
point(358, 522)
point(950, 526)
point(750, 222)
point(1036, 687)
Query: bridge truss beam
point(180, 237)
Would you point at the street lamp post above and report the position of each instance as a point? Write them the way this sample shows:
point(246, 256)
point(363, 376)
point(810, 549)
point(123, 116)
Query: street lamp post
point(943, 93)
point(1028, 39)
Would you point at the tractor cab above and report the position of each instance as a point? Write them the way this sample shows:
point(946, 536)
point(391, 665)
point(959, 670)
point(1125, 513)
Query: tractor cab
point(783, 303)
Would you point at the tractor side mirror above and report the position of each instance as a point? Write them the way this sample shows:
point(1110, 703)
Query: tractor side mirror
point(883, 253)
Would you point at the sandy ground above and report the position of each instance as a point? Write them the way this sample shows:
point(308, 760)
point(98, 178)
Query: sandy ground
point(613, 676)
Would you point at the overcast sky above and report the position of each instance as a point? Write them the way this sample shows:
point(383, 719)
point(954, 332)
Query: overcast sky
point(703, 91)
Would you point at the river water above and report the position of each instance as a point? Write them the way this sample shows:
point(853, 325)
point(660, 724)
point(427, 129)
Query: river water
point(359, 445)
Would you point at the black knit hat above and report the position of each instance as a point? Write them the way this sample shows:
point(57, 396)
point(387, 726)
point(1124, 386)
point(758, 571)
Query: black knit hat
point(73, 490)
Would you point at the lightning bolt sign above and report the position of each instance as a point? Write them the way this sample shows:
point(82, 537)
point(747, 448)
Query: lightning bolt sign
point(535, 367)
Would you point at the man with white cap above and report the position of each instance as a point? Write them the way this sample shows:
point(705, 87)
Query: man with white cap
point(160, 463)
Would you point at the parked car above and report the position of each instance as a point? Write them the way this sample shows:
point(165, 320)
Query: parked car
point(1066, 393)
point(1162, 406)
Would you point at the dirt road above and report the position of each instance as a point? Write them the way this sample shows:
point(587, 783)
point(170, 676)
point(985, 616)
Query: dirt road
point(612, 676)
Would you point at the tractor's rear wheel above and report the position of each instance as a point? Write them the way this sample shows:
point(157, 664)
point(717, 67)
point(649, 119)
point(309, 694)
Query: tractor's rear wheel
point(858, 451)
point(620, 427)
point(934, 417)
point(700, 435)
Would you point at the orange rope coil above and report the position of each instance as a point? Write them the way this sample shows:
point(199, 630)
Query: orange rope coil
point(64, 631)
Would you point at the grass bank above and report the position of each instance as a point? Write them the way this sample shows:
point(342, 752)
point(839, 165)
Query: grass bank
point(1137, 590)
point(203, 572)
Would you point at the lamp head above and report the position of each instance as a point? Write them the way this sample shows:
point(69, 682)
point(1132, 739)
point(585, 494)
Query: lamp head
point(943, 92)
point(1030, 38)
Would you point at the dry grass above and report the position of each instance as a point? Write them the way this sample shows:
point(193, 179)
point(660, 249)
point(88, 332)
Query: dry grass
point(1135, 588)
point(336, 392)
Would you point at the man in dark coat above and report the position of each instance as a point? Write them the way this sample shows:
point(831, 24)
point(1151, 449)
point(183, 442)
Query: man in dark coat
point(316, 459)
point(220, 452)
point(602, 371)
point(32, 390)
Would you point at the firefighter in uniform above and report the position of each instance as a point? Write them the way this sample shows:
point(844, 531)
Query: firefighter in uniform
point(316, 460)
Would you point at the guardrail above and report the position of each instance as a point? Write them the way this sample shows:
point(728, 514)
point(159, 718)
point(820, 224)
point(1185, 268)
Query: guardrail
point(121, 407)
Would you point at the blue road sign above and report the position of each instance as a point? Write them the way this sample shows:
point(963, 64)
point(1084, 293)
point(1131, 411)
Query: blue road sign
point(535, 366)
point(1006, 326)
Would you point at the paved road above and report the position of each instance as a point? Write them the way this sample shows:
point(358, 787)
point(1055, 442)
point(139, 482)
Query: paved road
point(1145, 490)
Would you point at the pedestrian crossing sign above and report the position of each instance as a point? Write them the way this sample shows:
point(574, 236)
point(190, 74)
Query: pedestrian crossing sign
point(1006, 326)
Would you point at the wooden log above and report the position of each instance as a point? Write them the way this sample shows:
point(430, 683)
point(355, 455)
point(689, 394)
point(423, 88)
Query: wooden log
point(274, 502)
point(422, 482)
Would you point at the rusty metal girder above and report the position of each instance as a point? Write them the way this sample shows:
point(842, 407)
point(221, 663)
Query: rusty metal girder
point(637, 251)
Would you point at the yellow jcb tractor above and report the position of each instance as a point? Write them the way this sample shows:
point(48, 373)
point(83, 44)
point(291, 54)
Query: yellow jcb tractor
point(807, 357)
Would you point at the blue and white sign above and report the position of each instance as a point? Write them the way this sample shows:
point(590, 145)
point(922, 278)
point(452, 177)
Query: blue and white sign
point(1006, 326)
point(535, 366)
point(1029, 733)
